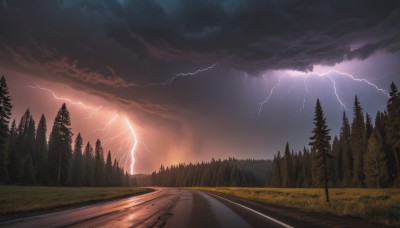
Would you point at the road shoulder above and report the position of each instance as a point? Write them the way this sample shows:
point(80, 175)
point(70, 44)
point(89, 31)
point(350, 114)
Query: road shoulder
point(298, 218)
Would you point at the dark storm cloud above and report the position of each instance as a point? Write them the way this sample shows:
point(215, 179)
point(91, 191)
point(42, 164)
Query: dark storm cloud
point(113, 47)
point(126, 42)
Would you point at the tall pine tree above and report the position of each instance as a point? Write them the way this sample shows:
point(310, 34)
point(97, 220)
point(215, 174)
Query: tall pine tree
point(26, 147)
point(89, 165)
point(358, 144)
point(77, 170)
point(347, 156)
point(337, 152)
point(393, 125)
point(99, 164)
point(60, 150)
point(109, 170)
point(321, 147)
point(5, 114)
point(41, 151)
point(287, 169)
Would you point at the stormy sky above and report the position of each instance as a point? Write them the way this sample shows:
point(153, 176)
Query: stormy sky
point(198, 79)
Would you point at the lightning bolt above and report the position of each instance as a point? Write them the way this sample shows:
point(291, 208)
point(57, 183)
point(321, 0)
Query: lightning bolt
point(384, 92)
point(327, 75)
point(124, 144)
point(169, 81)
point(134, 144)
point(261, 104)
point(80, 103)
point(305, 95)
point(336, 94)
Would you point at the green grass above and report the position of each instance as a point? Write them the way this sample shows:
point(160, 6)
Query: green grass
point(22, 199)
point(377, 205)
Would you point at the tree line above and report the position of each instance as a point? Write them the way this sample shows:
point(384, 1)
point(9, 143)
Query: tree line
point(28, 158)
point(365, 154)
point(231, 172)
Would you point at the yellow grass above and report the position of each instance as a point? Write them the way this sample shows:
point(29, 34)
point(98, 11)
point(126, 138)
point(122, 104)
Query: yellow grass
point(17, 199)
point(378, 205)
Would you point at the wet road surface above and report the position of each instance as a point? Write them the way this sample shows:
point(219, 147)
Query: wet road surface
point(172, 207)
point(166, 207)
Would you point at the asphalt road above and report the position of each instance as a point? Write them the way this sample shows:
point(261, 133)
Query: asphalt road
point(169, 207)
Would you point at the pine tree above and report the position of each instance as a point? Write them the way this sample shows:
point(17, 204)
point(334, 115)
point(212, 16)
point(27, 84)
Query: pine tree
point(89, 165)
point(375, 162)
point(109, 169)
point(347, 156)
point(287, 174)
point(299, 166)
point(368, 126)
point(77, 175)
point(358, 144)
point(99, 164)
point(393, 125)
point(60, 150)
point(5, 114)
point(321, 147)
point(276, 177)
point(380, 124)
point(15, 166)
point(115, 181)
point(337, 153)
point(26, 148)
point(41, 151)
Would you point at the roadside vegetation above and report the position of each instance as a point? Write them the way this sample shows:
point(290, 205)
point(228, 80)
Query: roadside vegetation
point(22, 199)
point(377, 205)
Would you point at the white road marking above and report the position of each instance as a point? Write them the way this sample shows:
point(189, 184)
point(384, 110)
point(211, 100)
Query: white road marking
point(254, 211)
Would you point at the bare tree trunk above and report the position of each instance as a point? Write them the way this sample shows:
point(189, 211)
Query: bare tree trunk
point(327, 193)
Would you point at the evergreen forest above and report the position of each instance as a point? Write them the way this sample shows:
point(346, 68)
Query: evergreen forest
point(27, 157)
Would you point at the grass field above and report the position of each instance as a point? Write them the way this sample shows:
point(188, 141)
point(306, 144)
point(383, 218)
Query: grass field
point(21, 199)
point(378, 205)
